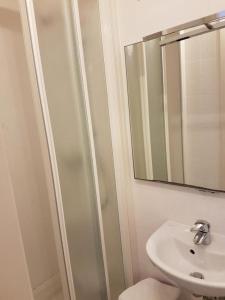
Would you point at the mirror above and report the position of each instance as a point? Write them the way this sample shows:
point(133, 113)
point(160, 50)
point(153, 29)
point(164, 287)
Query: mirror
point(176, 91)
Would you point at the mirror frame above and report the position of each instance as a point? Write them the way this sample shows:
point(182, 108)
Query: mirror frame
point(176, 34)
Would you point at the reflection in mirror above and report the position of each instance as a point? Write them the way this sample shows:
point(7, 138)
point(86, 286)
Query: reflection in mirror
point(177, 104)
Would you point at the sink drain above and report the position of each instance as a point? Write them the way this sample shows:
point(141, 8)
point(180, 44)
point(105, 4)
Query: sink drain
point(197, 275)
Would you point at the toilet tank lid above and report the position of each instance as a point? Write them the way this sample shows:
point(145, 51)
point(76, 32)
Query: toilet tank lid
point(150, 289)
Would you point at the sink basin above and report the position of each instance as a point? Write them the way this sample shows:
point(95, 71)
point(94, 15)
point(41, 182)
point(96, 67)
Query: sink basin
point(172, 250)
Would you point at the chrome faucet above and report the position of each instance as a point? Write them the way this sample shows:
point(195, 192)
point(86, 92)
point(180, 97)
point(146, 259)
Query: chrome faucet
point(202, 229)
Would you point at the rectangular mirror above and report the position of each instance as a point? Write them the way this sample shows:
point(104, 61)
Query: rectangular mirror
point(176, 90)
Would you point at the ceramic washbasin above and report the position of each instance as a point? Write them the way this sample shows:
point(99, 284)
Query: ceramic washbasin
point(172, 250)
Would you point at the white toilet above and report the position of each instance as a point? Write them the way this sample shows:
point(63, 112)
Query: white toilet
point(150, 289)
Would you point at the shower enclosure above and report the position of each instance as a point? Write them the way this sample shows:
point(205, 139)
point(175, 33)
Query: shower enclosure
point(60, 219)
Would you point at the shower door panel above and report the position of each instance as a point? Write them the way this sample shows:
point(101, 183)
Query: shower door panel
point(66, 103)
point(91, 33)
point(26, 146)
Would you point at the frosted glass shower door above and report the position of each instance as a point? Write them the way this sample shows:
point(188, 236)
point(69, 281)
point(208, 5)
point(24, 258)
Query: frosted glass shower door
point(31, 229)
point(61, 68)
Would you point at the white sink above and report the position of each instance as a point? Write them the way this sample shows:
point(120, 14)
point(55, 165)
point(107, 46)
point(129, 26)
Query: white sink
point(172, 250)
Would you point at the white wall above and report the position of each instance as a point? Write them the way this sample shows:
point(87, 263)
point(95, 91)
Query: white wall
point(13, 270)
point(138, 18)
point(150, 204)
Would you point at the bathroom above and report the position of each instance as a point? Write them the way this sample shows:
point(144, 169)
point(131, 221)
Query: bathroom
point(76, 216)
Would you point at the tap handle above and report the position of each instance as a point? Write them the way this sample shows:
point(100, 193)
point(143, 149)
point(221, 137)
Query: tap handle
point(201, 225)
point(196, 227)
